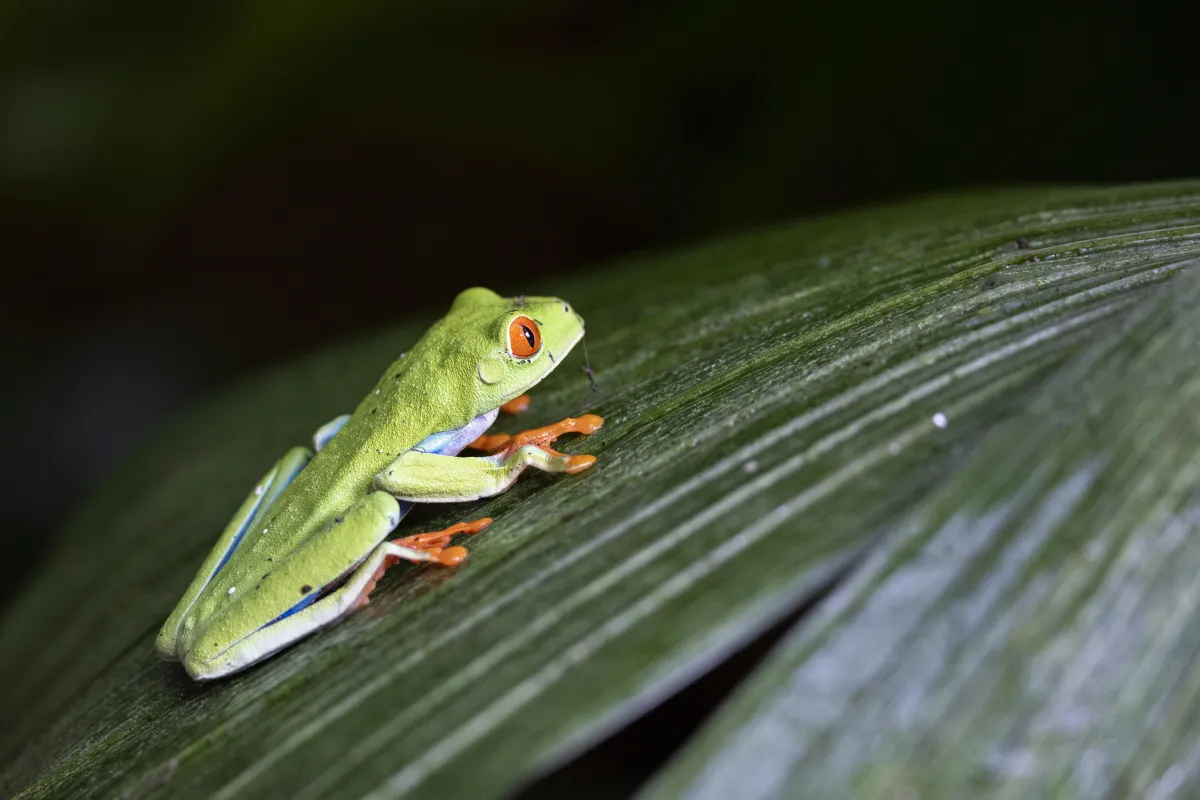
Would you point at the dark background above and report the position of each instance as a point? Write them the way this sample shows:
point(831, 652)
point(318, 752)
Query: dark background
point(186, 194)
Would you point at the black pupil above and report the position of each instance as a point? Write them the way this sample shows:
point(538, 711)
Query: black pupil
point(528, 336)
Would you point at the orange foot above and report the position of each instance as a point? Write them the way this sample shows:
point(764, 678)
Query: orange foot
point(498, 443)
point(432, 543)
point(435, 543)
point(489, 442)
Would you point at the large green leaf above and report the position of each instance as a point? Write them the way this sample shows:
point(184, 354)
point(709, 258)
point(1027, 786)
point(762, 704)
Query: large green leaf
point(1026, 630)
point(958, 431)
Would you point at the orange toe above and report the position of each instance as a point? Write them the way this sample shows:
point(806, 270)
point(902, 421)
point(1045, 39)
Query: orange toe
point(517, 405)
point(452, 556)
point(579, 463)
point(588, 423)
point(502, 442)
point(436, 540)
point(433, 543)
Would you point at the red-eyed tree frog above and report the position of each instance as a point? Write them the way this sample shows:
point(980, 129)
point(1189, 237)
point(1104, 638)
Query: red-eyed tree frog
point(309, 543)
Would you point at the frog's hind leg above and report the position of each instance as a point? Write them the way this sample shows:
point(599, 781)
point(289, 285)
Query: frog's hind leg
point(347, 589)
point(313, 586)
point(418, 548)
point(435, 543)
point(432, 546)
point(247, 519)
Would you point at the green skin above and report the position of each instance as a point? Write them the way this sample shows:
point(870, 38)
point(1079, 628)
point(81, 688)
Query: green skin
point(313, 520)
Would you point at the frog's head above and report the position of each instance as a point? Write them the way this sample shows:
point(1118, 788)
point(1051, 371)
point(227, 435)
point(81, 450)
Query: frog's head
point(517, 340)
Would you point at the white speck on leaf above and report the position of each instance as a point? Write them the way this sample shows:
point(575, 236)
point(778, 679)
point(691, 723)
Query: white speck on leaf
point(894, 448)
point(258, 490)
point(232, 589)
point(940, 420)
point(750, 467)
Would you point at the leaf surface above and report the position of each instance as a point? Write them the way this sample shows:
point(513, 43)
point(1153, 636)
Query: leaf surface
point(810, 406)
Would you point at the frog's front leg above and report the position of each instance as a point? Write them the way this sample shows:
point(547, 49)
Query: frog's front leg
point(429, 478)
point(491, 442)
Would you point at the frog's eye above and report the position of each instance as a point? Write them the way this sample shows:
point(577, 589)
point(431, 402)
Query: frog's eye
point(524, 338)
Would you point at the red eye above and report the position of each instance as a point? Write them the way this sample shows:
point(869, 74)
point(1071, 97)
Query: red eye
point(524, 338)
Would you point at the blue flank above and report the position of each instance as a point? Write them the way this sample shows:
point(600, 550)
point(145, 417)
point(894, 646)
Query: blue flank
point(453, 442)
point(305, 603)
point(238, 539)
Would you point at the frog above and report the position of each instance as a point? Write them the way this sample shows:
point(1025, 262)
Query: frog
point(311, 541)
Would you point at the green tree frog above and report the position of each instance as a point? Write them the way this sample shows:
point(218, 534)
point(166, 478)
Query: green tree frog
point(309, 543)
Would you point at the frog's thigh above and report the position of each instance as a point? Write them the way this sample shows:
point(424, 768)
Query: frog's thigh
point(428, 478)
point(252, 510)
point(303, 620)
point(363, 526)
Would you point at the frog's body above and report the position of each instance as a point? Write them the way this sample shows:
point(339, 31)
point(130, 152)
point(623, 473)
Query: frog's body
point(308, 544)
